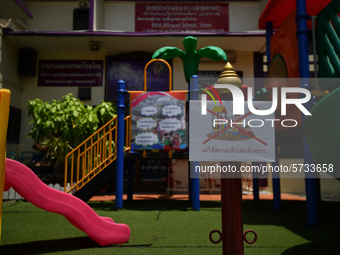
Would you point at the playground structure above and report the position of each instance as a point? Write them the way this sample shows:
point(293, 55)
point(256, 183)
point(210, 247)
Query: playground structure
point(274, 16)
point(324, 146)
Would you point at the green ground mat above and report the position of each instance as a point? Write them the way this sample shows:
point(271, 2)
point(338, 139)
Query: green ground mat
point(171, 227)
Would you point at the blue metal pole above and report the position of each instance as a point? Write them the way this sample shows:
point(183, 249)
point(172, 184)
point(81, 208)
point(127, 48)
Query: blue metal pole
point(256, 190)
point(120, 145)
point(194, 178)
point(302, 36)
point(275, 176)
point(269, 33)
point(276, 186)
point(130, 180)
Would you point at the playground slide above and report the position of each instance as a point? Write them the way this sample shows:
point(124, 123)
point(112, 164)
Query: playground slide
point(322, 132)
point(100, 229)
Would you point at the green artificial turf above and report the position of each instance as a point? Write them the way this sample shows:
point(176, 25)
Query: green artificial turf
point(171, 227)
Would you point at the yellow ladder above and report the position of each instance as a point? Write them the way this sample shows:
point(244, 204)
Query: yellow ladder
point(93, 155)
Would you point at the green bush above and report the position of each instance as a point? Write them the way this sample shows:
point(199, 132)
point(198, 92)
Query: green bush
point(61, 125)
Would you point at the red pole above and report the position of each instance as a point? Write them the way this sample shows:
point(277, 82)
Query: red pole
point(232, 221)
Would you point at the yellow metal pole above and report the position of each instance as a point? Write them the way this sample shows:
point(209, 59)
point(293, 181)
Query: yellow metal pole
point(5, 96)
point(146, 68)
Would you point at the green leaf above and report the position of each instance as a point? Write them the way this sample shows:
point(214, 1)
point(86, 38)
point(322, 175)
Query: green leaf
point(212, 52)
point(102, 111)
point(75, 113)
point(167, 53)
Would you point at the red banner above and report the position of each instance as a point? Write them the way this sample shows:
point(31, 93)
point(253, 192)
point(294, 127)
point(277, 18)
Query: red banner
point(178, 17)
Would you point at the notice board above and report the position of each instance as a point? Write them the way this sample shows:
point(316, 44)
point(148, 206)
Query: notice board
point(158, 120)
point(181, 17)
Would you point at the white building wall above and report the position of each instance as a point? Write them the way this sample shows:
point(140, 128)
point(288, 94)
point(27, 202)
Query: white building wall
point(243, 16)
point(98, 15)
point(51, 16)
point(119, 16)
point(178, 80)
point(9, 78)
point(9, 65)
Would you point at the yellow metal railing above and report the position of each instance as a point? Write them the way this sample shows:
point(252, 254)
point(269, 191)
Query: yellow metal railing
point(94, 154)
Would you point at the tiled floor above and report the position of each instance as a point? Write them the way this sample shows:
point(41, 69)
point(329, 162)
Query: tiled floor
point(203, 197)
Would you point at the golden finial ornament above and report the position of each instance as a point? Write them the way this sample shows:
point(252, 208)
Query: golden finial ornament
point(229, 76)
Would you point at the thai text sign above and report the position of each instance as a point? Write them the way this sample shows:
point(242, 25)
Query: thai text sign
point(76, 73)
point(181, 17)
point(221, 135)
point(158, 120)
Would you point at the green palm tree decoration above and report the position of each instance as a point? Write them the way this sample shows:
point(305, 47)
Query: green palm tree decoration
point(190, 57)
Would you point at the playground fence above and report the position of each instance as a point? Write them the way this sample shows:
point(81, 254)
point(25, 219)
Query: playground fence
point(11, 194)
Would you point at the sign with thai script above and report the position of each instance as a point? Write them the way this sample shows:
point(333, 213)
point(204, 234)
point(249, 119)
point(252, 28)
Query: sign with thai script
point(78, 73)
point(158, 120)
point(221, 135)
point(181, 17)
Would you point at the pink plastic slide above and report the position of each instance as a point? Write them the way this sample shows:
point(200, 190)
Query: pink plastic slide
point(100, 229)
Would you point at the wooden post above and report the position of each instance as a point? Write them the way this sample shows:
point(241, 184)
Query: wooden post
point(232, 220)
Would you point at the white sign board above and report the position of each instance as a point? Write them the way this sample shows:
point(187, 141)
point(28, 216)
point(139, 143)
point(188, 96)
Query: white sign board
point(221, 136)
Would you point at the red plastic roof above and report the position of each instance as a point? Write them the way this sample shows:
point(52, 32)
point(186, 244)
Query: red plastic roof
point(278, 10)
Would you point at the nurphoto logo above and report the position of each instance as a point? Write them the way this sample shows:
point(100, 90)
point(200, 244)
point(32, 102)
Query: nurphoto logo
point(238, 100)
